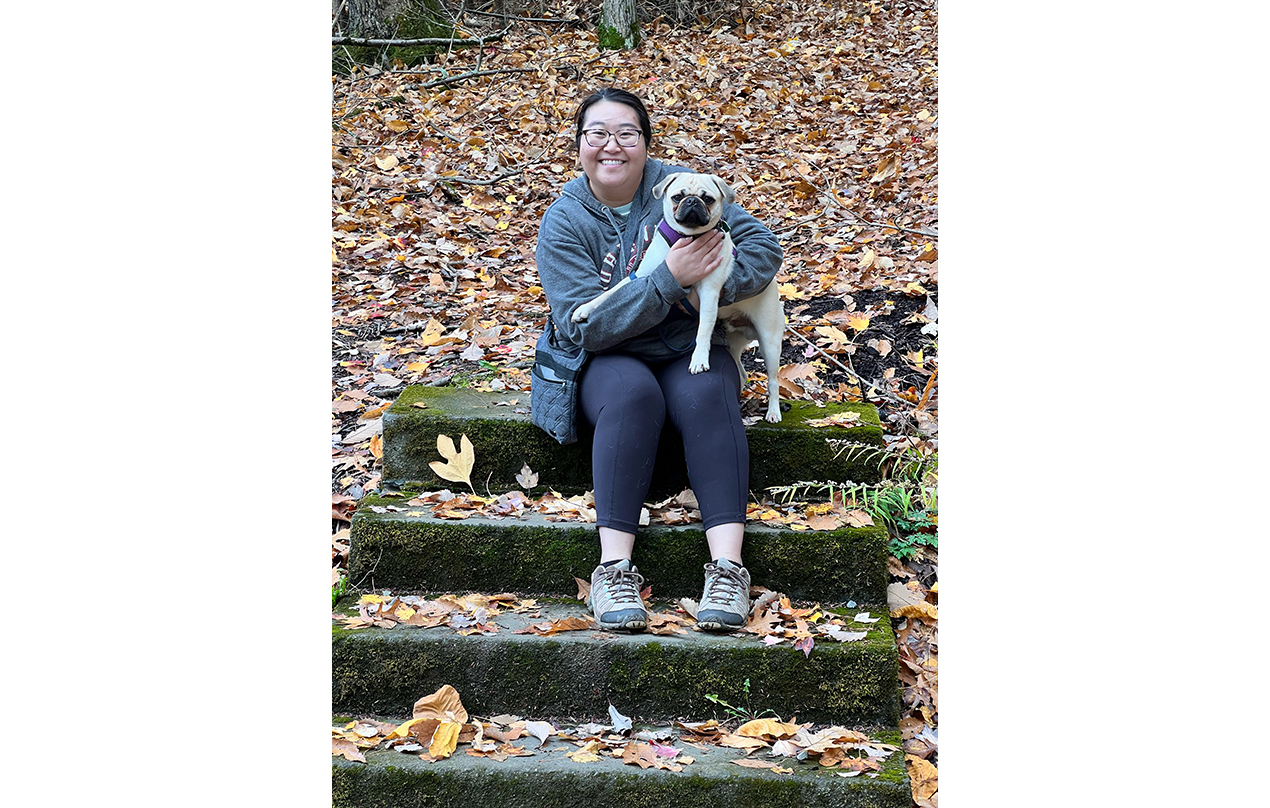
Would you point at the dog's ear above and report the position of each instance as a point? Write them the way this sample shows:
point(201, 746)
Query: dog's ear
point(660, 188)
point(729, 195)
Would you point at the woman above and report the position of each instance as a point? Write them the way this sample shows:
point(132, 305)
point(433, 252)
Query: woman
point(640, 341)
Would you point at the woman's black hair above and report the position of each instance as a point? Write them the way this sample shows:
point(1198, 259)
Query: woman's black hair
point(620, 97)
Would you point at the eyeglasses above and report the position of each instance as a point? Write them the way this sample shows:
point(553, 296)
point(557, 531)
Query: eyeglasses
point(599, 137)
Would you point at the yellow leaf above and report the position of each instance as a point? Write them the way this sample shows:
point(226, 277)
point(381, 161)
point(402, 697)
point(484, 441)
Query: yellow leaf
point(586, 754)
point(386, 163)
point(767, 726)
point(377, 446)
point(866, 260)
point(366, 599)
point(445, 740)
point(923, 776)
point(857, 321)
point(404, 730)
point(925, 611)
point(398, 126)
point(459, 467)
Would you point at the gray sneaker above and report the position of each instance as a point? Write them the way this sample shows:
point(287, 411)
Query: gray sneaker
point(725, 602)
point(614, 598)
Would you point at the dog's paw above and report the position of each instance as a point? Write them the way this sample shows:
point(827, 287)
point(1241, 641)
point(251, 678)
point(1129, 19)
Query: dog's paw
point(698, 367)
point(773, 415)
point(580, 314)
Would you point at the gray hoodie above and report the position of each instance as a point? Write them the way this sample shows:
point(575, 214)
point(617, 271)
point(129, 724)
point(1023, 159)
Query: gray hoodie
point(584, 248)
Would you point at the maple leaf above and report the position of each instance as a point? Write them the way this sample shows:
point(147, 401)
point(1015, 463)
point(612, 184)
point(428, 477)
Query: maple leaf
point(527, 477)
point(459, 465)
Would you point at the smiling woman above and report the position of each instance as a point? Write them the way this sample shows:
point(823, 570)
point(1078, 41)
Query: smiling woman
point(629, 358)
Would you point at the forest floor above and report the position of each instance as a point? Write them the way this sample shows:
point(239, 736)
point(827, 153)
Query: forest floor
point(823, 116)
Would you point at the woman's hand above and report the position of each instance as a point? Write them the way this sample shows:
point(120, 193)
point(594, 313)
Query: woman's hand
point(690, 260)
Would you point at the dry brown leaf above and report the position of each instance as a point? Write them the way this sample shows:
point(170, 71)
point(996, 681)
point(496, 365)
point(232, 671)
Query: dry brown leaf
point(444, 704)
point(348, 749)
point(767, 727)
point(751, 763)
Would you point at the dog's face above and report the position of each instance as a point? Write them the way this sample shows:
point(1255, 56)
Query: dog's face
point(693, 203)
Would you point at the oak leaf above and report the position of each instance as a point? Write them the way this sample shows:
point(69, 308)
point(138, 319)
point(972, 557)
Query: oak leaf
point(459, 465)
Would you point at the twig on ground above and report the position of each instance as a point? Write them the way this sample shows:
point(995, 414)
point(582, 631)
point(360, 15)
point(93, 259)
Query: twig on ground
point(451, 41)
point(497, 179)
point(872, 384)
point(523, 19)
point(475, 74)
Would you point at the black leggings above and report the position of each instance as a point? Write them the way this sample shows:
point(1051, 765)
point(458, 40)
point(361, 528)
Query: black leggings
point(627, 401)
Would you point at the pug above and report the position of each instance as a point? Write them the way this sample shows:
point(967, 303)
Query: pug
point(693, 205)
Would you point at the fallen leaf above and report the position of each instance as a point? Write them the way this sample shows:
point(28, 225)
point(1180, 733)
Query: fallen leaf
point(751, 763)
point(767, 727)
point(444, 704)
point(346, 748)
point(540, 730)
point(459, 467)
point(527, 478)
point(620, 722)
point(445, 740)
point(586, 754)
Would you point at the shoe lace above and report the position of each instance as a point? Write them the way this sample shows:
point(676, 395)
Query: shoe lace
point(723, 584)
point(622, 586)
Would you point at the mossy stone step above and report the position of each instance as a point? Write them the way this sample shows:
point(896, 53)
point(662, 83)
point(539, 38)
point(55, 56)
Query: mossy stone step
point(390, 779)
point(649, 677)
point(505, 440)
point(414, 551)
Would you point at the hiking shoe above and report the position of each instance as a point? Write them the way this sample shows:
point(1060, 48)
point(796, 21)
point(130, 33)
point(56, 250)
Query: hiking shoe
point(614, 598)
point(725, 603)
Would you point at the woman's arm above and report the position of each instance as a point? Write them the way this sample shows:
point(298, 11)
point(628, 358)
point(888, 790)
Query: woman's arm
point(569, 279)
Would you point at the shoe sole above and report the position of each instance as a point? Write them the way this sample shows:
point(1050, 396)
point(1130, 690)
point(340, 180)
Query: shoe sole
point(629, 625)
point(710, 625)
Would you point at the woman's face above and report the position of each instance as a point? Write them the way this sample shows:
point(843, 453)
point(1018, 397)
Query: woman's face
point(614, 172)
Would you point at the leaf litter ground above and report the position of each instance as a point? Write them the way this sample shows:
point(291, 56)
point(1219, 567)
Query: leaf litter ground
point(823, 116)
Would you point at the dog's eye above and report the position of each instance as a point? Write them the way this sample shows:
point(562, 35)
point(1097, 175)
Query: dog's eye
point(709, 200)
point(678, 197)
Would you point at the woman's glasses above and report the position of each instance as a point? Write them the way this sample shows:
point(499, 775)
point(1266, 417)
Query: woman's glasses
point(599, 137)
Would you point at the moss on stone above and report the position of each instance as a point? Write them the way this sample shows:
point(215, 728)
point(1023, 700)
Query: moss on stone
point(547, 780)
point(414, 551)
point(504, 439)
point(383, 672)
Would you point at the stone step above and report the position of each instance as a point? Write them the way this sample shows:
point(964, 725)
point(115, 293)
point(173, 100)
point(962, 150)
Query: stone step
point(403, 547)
point(649, 677)
point(505, 440)
point(391, 779)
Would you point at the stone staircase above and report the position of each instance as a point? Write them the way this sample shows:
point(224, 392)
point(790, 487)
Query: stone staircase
point(576, 675)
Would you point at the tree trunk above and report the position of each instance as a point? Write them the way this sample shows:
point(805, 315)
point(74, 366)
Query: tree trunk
point(377, 18)
point(618, 29)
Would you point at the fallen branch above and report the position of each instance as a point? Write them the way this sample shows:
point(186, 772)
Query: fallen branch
point(352, 40)
point(494, 180)
point(574, 21)
point(476, 74)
